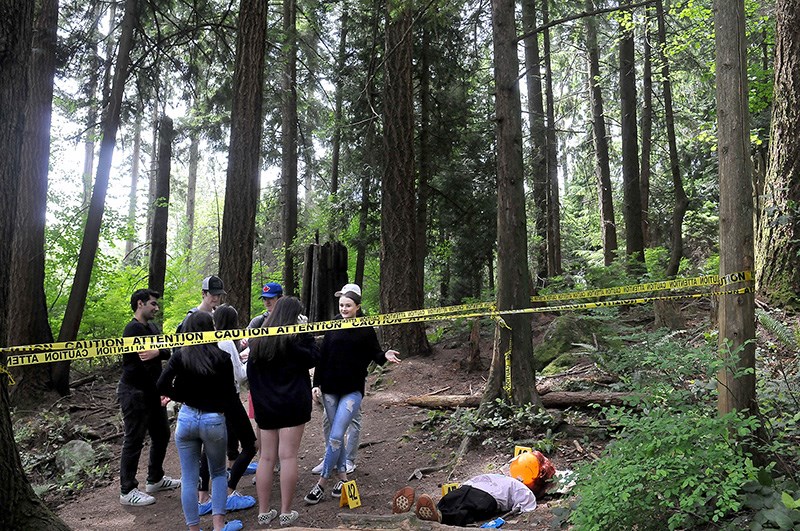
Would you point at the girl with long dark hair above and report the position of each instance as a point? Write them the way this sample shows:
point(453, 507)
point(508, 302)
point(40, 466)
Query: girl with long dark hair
point(280, 387)
point(236, 421)
point(201, 377)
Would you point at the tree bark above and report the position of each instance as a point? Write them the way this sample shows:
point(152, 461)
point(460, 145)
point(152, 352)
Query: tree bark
point(608, 225)
point(191, 185)
point(400, 286)
point(681, 201)
point(244, 157)
point(133, 205)
point(777, 263)
point(647, 128)
point(736, 311)
point(289, 144)
point(553, 203)
point(538, 162)
point(21, 508)
point(632, 198)
point(425, 164)
point(158, 239)
point(27, 318)
point(341, 61)
point(513, 277)
point(92, 104)
point(91, 235)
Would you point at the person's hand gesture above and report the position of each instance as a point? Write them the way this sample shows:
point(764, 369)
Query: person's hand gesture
point(391, 355)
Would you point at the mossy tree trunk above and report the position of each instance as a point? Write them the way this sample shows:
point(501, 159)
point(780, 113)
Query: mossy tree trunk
point(778, 246)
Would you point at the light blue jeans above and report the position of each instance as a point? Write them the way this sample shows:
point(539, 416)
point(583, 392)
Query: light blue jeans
point(195, 429)
point(351, 437)
point(340, 410)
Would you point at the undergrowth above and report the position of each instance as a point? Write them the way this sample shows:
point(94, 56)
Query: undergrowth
point(674, 462)
point(501, 424)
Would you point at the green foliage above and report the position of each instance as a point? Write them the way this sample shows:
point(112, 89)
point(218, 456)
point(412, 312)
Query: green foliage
point(772, 503)
point(667, 468)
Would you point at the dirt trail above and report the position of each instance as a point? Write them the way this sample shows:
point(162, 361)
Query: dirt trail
point(393, 447)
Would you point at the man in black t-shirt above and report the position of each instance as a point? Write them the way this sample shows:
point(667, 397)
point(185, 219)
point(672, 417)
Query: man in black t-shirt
point(143, 409)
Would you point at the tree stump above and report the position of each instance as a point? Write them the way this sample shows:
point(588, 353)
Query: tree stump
point(472, 362)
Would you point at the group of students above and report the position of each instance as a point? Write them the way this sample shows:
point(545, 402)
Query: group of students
point(212, 421)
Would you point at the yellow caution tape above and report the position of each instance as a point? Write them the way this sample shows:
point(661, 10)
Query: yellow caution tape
point(681, 283)
point(85, 349)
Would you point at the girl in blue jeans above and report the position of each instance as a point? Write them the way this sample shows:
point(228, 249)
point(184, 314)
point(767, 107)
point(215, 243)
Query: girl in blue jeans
point(339, 376)
point(201, 376)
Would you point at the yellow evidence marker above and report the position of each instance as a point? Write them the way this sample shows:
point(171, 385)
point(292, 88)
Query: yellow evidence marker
point(448, 487)
point(521, 450)
point(350, 495)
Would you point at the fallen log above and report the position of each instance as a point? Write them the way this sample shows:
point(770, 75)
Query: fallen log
point(555, 399)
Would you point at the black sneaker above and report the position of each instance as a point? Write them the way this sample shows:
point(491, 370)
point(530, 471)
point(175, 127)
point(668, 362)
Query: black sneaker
point(313, 497)
point(336, 492)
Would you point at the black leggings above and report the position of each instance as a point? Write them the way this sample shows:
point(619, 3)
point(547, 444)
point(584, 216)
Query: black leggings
point(240, 432)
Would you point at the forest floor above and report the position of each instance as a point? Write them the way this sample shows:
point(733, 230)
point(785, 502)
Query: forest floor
point(394, 444)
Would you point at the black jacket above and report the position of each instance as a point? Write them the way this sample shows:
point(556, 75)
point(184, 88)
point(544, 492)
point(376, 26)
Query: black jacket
point(346, 354)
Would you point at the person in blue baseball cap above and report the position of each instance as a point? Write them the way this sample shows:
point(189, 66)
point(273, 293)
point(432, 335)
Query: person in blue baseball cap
point(270, 293)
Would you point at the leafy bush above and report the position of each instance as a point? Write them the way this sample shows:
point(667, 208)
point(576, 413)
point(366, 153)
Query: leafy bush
point(668, 467)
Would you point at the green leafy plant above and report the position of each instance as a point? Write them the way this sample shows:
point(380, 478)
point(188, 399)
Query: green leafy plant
point(667, 468)
point(773, 506)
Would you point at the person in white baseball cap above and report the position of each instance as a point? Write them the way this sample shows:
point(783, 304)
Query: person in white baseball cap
point(339, 378)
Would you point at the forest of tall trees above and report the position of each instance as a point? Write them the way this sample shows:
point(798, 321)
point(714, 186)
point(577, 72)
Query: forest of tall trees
point(460, 151)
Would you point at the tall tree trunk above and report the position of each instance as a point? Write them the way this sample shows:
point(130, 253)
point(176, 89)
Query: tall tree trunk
point(399, 287)
point(608, 225)
point(513, 277)
point(191, 185)
point(151, 177)
point(777, 263)
point(27, 318)
point(92, 104)
point(341, 61)
point(91, 234)
point(632, 197)
point(21, 508)
point(244, 157)
point(132, 201)
point(533, 77)
point(736, 311)
point(158, 239)
point(289, 144)
point(553, 202)
point(425, 168)
point(647, 128)
point(681, 201)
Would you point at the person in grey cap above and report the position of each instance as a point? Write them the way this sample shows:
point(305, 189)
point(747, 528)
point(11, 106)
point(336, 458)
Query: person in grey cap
point(213, 289)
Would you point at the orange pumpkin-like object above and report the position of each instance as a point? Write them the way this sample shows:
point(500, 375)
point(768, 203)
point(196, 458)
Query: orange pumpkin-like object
point(525, 467)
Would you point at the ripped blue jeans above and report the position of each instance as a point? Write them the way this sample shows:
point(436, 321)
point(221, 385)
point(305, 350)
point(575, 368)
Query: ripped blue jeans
point(340, 410)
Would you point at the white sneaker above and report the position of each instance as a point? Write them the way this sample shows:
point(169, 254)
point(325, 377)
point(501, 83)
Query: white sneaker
point(166, 483)
point(350, 467)
point(317, 469)
point(136, 498)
